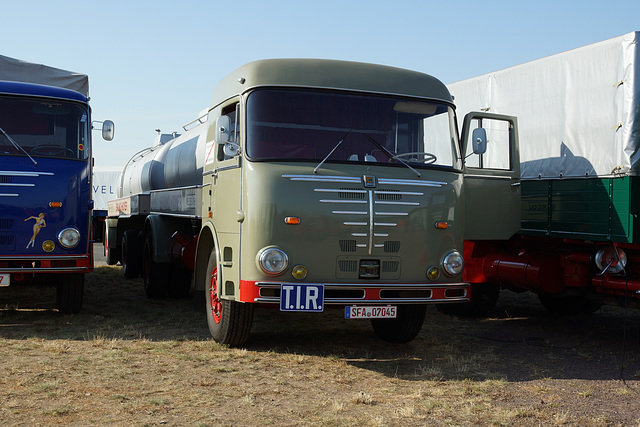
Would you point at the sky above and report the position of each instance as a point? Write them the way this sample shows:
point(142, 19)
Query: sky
point(153, 65)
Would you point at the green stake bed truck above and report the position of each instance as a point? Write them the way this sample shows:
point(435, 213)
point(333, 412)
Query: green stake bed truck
point(311, 184)
point(579, 117)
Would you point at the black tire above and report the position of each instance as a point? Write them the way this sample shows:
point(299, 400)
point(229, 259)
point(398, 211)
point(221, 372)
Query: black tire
point(568, 305)
point(229, 321)
point(69, 292)
point(404, 328)
point(180, 284)
point(484, 297)
point(155, 275)
point(131, 258)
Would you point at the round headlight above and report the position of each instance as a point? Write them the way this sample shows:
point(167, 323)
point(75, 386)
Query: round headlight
point(69, 238)
point(453, 263)
point(273, 261)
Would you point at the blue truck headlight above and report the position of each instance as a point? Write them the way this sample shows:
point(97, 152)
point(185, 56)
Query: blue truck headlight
point(453, 263)
point(273, 261)
point(69, 238)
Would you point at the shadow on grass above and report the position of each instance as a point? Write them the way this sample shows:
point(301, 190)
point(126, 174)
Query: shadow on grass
point(520, 342)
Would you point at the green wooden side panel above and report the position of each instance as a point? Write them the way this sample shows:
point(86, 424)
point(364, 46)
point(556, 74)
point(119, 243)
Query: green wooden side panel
point(602, 209)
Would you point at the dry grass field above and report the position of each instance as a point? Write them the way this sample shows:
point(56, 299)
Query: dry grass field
point(127, 360)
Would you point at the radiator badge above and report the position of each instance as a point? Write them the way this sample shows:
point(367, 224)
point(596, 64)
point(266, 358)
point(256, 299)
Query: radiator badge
point(369, 181)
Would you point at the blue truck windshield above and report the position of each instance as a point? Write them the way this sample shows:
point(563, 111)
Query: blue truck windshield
point(308, 125)
point(43, 128)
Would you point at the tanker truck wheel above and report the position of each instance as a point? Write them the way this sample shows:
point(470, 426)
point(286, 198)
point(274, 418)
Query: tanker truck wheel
point(404, 327)
point(229, 321)
point(130, 258)
point(69, 292)
point(155, 275)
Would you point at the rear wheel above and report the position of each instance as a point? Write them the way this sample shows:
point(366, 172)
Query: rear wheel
point(404, 328)
point(69, 292)
point(155, 275)
point(229, 321)
point(131, 259)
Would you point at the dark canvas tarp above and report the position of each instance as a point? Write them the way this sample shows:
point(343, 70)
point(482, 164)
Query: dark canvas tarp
point(21, 71)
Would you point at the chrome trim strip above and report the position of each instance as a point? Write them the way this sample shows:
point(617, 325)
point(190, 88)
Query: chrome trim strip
point(378, 202)
point(352, 301)
point(349, 212)
point(323, 178)
point(346, 190)
point(370, 221)
point(43, 258)
point(382, 286)
point(342, 201)
point(16, 185)
point(8, 195)
point(42, 269)
point(30, 174)
point(390, 181)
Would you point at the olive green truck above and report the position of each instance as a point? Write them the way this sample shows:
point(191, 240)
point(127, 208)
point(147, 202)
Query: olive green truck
point(312, 184)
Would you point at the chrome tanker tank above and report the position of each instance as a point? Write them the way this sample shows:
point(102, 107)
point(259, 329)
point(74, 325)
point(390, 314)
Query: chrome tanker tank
point(175, 160)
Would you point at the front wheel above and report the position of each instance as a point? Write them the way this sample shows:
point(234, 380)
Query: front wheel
point(404, 328)
point(69, 292)
point(229, 321)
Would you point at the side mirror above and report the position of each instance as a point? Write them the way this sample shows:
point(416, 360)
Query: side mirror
point(223, 130)
point(108, 130)
point(479, 138)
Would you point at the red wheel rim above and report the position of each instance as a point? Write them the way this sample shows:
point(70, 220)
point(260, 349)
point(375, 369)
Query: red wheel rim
point(216, 304)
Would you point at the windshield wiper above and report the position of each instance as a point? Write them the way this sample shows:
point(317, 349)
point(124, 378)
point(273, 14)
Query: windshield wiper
point(331, 152)
point(17, 146)
point(389, 153)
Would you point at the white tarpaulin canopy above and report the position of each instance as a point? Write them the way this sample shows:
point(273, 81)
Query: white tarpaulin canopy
point(578, 111)
point(21, 71)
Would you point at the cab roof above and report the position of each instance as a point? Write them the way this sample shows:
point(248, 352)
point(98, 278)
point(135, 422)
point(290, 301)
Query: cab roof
point(330, 74)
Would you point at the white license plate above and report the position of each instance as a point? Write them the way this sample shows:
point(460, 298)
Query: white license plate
point(294, 297)
point(367, 312)
point(5, 279)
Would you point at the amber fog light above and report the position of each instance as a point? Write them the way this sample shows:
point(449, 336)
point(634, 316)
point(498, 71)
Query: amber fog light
point(299, 272)
point(433, 273)
point(48, 245)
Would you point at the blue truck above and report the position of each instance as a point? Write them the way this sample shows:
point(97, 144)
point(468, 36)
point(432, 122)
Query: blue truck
point(45, 179)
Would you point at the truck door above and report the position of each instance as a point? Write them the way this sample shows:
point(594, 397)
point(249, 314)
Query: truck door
point(491, 176)
point(227, 197)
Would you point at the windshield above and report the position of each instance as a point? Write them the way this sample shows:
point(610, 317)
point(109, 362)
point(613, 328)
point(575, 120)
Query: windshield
point(43, 128)
point(343, 127)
